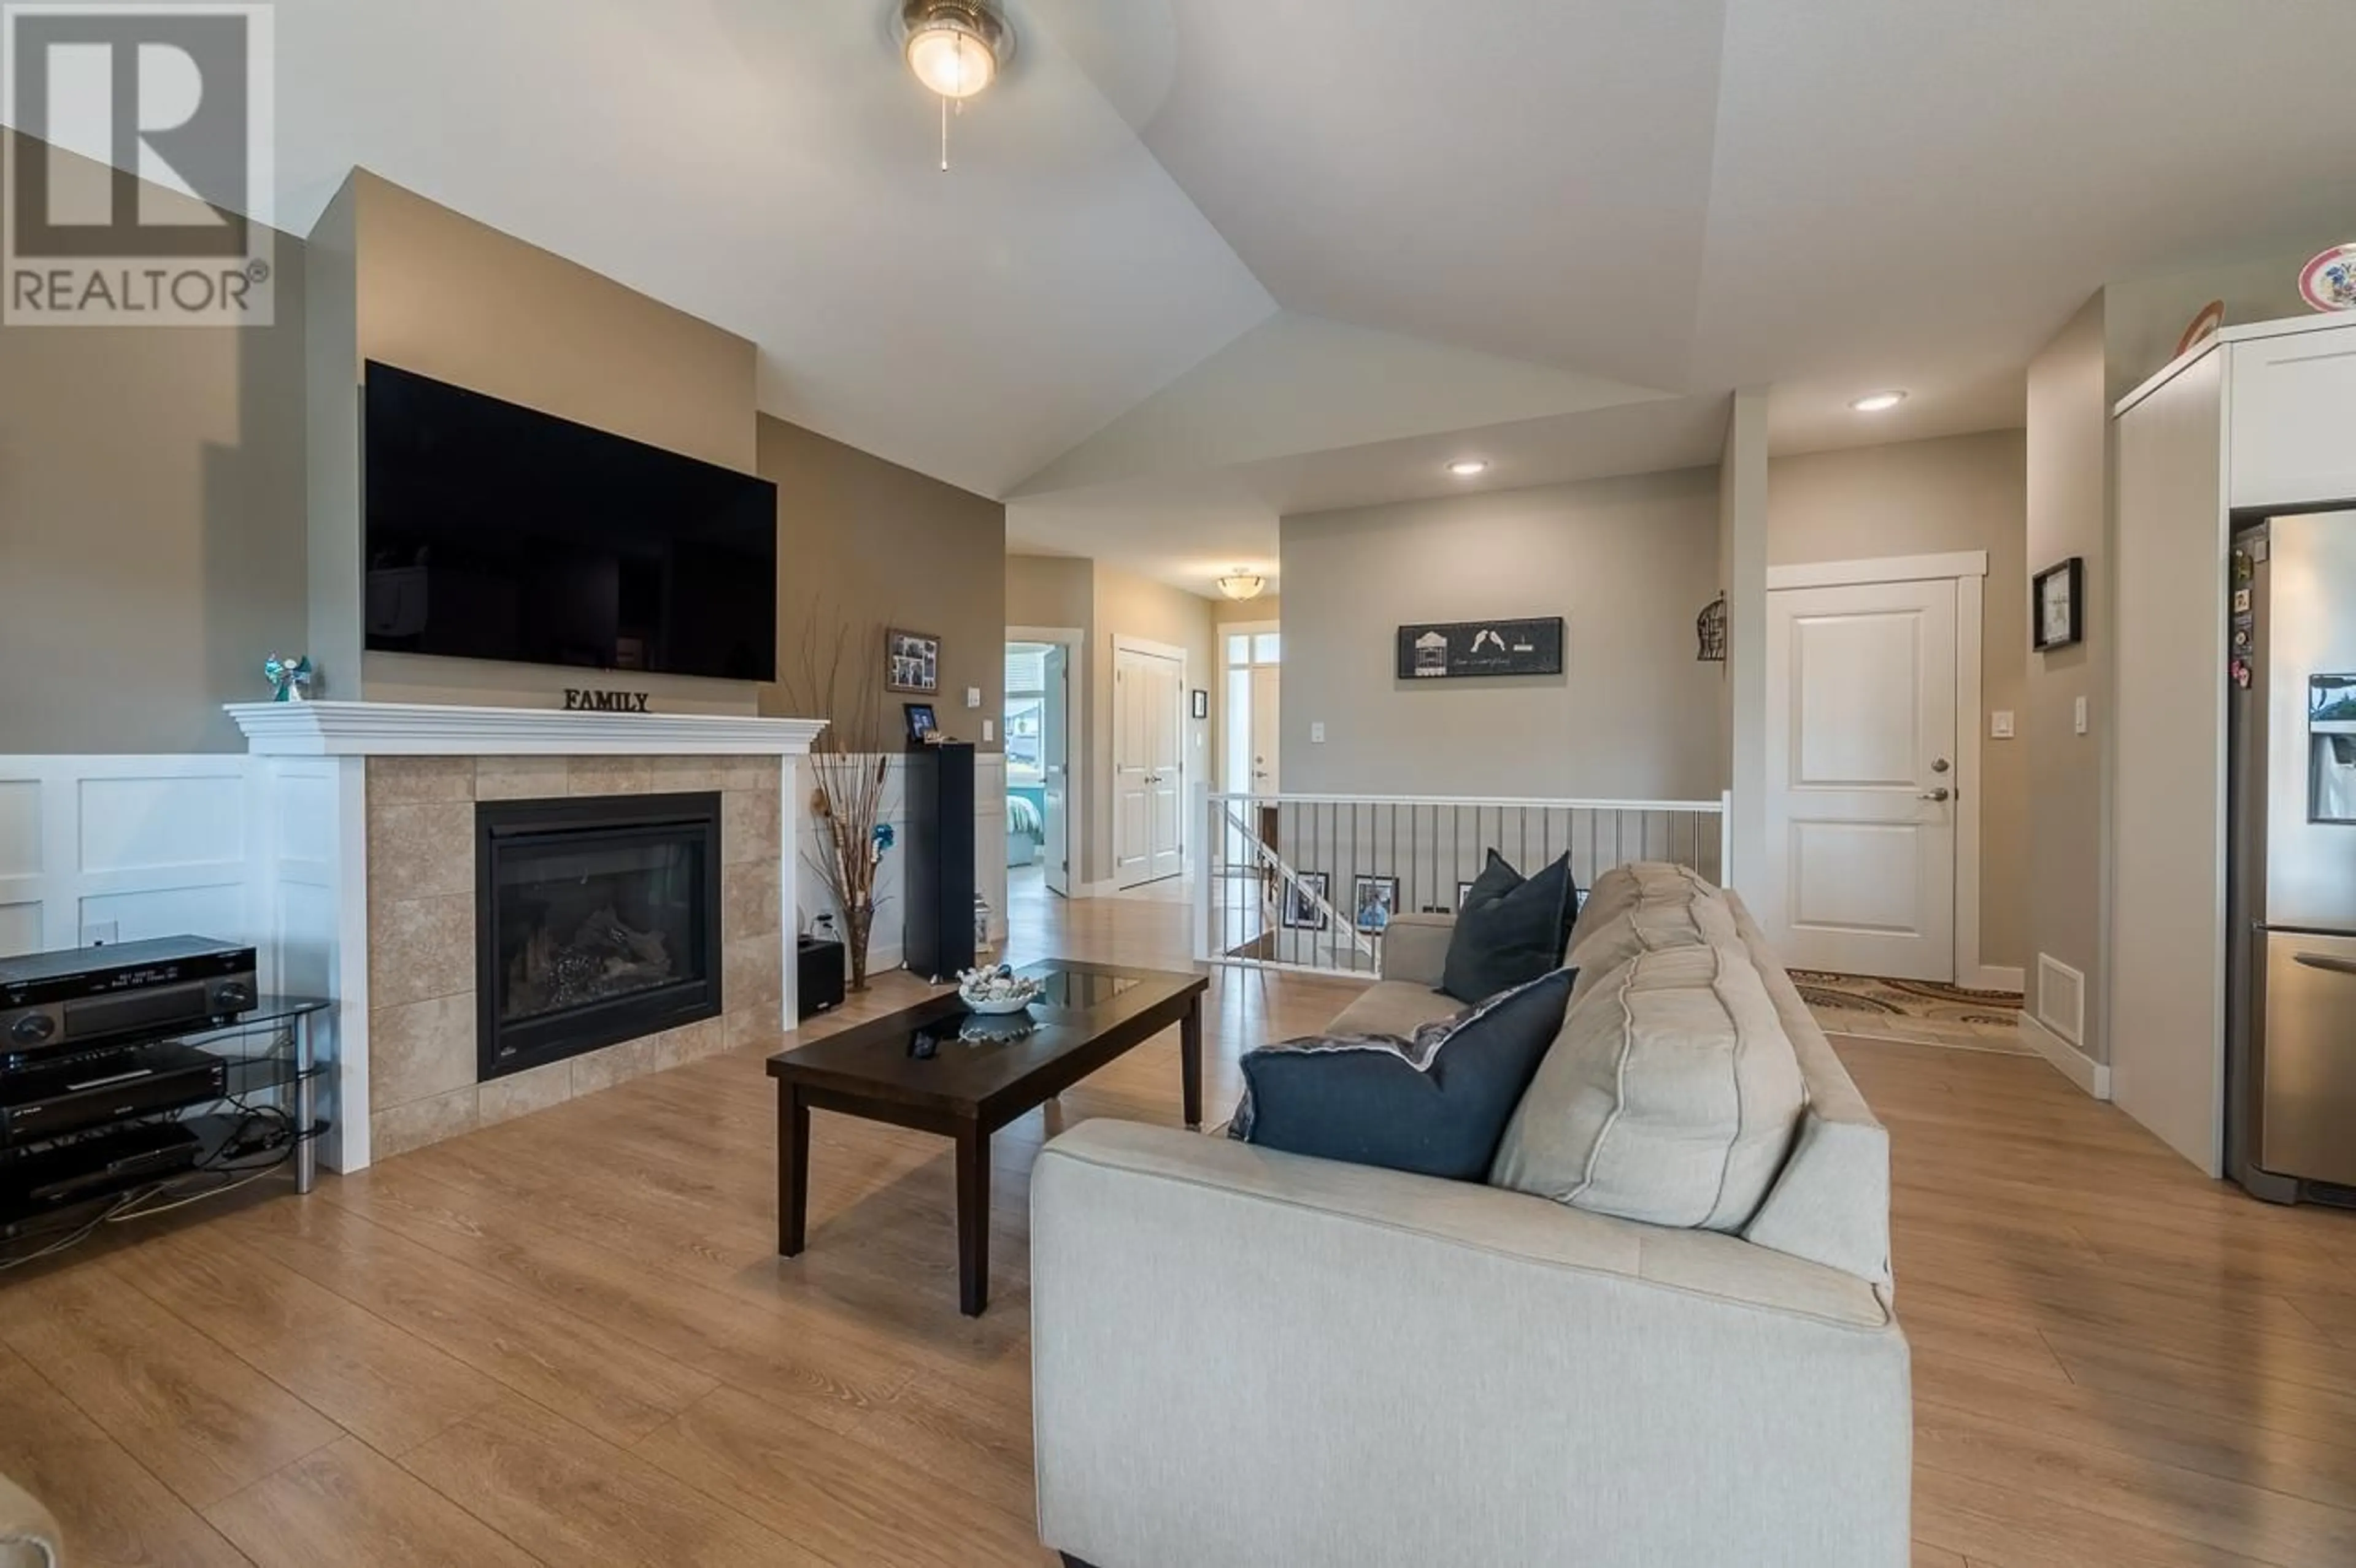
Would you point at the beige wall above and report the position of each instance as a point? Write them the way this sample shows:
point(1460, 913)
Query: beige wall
point(1267, 607)
point(410, 283)
point(863, 544)
point(2069, 506)
point(1050, 591)
point(1627, 562)
point(1923, 497)
point(1103, 602)
point(1132, 606)
point(150, 527)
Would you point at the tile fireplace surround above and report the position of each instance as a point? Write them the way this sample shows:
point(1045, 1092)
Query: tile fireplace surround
point(373, 873)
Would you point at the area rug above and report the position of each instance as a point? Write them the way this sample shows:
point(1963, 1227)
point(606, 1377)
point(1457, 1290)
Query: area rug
point(1924, 1011)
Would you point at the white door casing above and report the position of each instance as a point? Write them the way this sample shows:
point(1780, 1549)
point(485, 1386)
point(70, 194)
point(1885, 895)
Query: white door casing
point(1266, 680)
point(1054, 764)
point(1863, 778)
point(1148, 763)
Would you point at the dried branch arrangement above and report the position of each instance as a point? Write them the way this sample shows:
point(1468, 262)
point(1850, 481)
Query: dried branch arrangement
point(831, 677)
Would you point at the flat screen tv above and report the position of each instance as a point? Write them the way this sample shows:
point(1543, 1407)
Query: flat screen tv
point(497, 532)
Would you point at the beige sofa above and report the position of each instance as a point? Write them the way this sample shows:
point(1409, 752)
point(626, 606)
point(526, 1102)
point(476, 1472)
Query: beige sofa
point(29, 1536)
point(1246, 1356)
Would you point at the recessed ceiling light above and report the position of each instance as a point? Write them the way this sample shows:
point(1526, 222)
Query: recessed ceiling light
point(1877, 402)
point(1469, 467)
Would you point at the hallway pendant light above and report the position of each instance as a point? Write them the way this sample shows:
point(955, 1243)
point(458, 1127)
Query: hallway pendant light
point(1241, 584)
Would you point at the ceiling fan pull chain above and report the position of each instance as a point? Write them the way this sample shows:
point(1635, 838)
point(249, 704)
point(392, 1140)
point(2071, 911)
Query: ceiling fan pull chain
point(945, 135)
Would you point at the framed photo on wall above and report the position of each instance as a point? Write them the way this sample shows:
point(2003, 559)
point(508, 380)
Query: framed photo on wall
point(2057, 606)
point(1202, 703)
point(1375, 900)
point(1301, 911)
point(912, 661)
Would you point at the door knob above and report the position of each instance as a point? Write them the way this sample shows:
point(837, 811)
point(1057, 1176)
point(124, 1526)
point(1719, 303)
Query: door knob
point(1939, 764)
point(1941, 792)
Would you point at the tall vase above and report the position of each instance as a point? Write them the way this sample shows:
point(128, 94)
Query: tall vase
point(859, 924)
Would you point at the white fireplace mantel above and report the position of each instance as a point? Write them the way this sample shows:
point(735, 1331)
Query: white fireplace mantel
point(309, 789)
point(432, 730)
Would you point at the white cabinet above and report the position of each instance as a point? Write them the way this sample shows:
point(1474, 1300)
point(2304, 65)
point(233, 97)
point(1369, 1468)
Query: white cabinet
point(2293, 400)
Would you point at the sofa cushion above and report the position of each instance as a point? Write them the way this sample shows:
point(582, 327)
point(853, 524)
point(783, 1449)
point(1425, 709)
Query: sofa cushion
point(1620, 888)
point(1671, 916)
point(1510, 931)
point(1393, 1007)
point(1670, 1096)
point(1435, 1102)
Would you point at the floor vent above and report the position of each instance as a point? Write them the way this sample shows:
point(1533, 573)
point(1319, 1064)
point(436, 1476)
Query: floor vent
point(2060, 998)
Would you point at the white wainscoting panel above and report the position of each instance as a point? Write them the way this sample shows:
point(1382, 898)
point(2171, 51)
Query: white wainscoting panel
point(151, 845)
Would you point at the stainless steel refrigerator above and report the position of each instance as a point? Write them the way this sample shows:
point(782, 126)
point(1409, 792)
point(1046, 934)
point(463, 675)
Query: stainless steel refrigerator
point(2291, 898)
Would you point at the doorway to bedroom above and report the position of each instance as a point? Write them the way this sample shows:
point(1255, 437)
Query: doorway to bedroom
point(1039, 793)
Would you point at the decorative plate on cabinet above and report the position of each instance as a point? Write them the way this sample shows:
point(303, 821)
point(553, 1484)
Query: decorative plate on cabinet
point(2329, 281)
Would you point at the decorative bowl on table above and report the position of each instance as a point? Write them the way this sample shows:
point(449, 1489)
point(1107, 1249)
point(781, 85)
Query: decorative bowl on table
point(994, 993)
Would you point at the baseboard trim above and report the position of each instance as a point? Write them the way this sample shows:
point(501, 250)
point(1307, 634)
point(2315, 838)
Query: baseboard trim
point(1994, 978)
point(2090, 1075)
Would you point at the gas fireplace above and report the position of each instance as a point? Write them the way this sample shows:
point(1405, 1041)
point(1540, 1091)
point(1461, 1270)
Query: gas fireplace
point(596, 921)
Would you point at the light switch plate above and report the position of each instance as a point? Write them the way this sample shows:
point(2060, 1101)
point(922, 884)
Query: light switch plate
point(2000, 724)
point(1317, 734)
point(2079, 718)
point(973, 697)
point(989, 730)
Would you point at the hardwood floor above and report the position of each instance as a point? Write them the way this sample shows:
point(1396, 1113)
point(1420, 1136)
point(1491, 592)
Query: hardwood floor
point(567, 1339)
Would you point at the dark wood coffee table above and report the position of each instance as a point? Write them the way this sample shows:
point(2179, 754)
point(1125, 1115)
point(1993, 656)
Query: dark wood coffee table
point(912, 1069)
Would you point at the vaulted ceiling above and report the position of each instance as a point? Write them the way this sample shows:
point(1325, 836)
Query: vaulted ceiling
point(1201, 261)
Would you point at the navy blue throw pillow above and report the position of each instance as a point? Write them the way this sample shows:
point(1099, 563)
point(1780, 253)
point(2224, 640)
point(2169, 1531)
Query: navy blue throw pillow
point(1512, 929)
point(1435, 1105)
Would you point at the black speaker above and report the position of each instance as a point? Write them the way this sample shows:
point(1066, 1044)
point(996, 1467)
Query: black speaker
point(819, 972)
point(938, 881)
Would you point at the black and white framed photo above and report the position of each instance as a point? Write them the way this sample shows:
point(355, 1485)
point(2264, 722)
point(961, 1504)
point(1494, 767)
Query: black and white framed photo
point(1202, 703)
point(2057, 606)
point(921, 724)
point(1304, 901)
point(1375, 900)
point(912, 661)
point(1463, 890)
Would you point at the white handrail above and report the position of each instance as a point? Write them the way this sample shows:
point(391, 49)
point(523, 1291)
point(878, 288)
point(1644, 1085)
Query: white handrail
point(1480, 802)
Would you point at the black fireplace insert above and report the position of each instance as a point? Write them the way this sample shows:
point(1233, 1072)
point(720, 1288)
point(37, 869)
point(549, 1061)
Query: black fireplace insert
point(596, 921)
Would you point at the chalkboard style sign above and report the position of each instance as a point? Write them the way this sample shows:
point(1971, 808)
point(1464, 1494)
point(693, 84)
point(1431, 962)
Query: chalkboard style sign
point(1456, 648)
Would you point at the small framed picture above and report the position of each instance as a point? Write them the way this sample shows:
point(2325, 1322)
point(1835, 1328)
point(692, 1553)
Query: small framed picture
point(912, 661)
point(2057, 598)
point(1304, 905)
point(1202, 704)
point(922, 725)
point(1375, 900)
point(1463, 890)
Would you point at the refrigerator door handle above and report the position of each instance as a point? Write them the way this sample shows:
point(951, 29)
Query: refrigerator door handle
point(2322, 960)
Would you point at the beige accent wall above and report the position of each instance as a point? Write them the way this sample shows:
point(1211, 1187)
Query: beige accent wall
point(1132, 606)
point(2067, 864)
point(1925, 497)
point(1050, 591)
point(423, 1082)
point(863, 545)
point(410, 283)
point(1102, 602)
point(1627, 562)
point(151, 525)
point(1226, 612)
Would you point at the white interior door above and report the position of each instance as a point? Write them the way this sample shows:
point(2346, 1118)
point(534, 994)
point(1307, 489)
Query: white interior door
point(1861, 779)
point(1148, 768)
point(1265, 681)
point(1055, 763)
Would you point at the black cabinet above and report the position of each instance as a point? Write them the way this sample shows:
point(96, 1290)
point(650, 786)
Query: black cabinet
point(939, 877)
